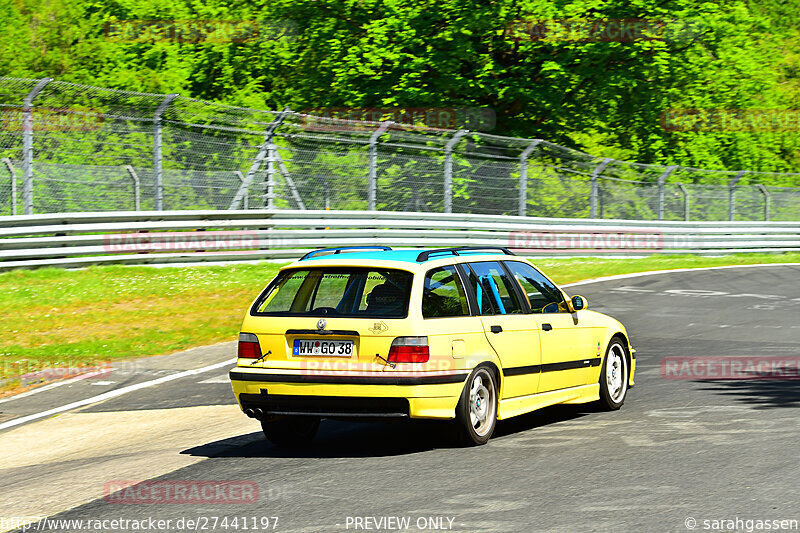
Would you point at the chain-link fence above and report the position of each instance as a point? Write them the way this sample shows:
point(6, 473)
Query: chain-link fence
point(67, 147)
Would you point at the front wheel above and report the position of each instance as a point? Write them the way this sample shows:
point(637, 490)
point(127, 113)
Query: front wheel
point(476, 412)
point(614, 376)
point(290, 430)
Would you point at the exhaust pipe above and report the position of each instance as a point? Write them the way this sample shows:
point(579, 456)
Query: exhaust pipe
point(258, 413)
point(250, 412)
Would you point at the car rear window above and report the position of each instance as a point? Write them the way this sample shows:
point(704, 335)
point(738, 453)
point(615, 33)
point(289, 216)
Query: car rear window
point(345, 292)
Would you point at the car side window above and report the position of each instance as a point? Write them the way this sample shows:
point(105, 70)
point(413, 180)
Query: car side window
point(494, 290)
point(443, 294)
point(541, 293)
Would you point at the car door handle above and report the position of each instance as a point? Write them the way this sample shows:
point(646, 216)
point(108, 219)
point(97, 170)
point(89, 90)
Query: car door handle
point(496, 329)
point(546, 327)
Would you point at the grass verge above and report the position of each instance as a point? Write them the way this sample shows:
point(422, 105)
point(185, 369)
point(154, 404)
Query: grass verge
point(77, 318)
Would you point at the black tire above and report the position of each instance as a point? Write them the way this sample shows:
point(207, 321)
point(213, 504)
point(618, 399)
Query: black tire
point(614, 375)
point(290, 430)
point(476, 412)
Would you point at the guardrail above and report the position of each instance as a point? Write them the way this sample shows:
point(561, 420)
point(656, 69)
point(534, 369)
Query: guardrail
point(163, 237)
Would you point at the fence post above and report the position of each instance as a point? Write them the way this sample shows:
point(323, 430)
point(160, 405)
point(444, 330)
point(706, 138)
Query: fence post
point(372, 186)
point(732, 196)
point(265, 151)
point(245, 187)
point(135, 178)
point(157, 150)
point(661, 180)
point(27, 145)
point(685, 192)
point(290, 182)
point(270, 181)
point(766, 194)
point(272, 152)
point(13, 174)
point(593, 196)
point(523, 177)
point(448, 169)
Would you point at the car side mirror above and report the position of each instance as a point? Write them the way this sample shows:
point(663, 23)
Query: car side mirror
point(578, 303)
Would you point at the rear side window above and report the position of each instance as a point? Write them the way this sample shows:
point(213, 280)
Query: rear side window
point(494, 291)
point(443, 294)
point(345, 292)
point(537, 288)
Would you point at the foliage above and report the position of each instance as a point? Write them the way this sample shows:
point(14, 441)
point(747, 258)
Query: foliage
point(603, 97)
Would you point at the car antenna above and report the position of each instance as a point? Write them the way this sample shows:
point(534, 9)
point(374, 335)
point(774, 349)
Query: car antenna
point(385, 360)
point(260, 358)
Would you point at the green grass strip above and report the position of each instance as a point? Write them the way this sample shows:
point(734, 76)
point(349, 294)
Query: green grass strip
point(56, 318)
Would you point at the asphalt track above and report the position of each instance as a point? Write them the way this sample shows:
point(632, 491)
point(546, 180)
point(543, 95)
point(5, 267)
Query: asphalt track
point(678, 450)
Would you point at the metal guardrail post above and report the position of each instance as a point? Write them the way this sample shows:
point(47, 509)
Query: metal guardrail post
point(767, 199)
point(448, 169)
point(594, 193)
point(289, 181)
point(685, 193)
point(270, 179)
point(732, 194)
point(271, 153)
point(136, 190)
point(13, 174)
point(267, 149)
point(523, 177)
point(27, 145)
point(157, 170)
point(372, 184)
point(242, 184)
point(661, 180)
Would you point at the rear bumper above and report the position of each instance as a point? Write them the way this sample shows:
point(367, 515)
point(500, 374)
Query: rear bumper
point(328, 406)
point(348, 395)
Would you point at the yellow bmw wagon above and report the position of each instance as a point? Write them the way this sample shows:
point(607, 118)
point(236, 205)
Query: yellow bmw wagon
point(468, 334)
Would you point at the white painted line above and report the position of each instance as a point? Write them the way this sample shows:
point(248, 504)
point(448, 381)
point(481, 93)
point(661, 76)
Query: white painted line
point(673, 271)
point(54, 385)
point(113, 394)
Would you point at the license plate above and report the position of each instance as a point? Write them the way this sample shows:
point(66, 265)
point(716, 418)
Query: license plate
point(324, 348)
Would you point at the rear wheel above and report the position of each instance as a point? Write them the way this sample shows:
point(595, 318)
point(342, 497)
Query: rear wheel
point(476, 412)
point(290, 430)
point(614, 376)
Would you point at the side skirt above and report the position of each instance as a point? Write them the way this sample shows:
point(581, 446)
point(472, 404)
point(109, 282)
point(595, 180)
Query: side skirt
point(525, 404)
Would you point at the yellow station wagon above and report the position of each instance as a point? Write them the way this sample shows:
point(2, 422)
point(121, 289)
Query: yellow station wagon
point(473, 335)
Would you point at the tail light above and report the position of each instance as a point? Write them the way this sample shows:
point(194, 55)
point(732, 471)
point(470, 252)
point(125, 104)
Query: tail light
point(248, 346)
point(409, 350)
